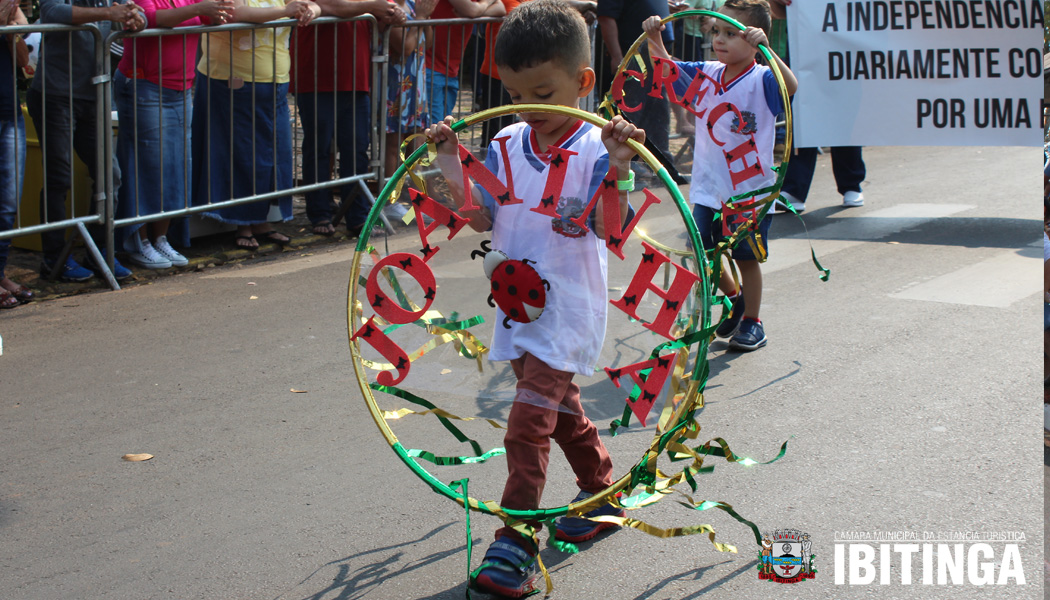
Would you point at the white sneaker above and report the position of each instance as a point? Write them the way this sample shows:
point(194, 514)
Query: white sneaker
point(852, 199)
point(779, 206)
point(164, 248)
point(148, 257)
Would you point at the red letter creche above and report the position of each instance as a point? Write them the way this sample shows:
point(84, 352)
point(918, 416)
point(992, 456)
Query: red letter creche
point(674, 297)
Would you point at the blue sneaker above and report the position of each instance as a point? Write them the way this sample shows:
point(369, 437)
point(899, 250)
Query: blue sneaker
point(751, 336)
point(732, 322)
point(575, 529)
point(71, 271)
point(120, 272)
point(507, 570)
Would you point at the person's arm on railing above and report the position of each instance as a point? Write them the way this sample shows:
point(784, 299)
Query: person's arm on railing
point(405, 40)
point(385, 12)
point(213, 12)
point(127, 14)
point(472, 9)
point(303, 11)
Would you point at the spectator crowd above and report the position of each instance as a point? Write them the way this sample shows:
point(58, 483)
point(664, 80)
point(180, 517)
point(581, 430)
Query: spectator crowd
point(205, 115)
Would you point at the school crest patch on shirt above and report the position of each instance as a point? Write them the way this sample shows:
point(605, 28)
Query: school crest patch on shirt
point(568, 208)
point(749, 124)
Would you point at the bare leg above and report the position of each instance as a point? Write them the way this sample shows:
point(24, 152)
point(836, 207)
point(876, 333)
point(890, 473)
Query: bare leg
point(726, 283)
point(751, 281)
point(157, 229)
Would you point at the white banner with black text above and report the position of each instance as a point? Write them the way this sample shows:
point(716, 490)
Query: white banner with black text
point(917, 72)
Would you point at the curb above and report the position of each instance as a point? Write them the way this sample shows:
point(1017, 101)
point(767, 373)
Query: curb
point(54, 290)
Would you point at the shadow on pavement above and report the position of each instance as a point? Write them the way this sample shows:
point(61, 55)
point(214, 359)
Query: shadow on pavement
point(350, 582)
point(695, 575)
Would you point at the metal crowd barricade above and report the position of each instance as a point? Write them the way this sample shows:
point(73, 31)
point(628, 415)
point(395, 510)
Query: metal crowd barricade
point(308, 101)
point(472, 51)
point(192, 205)
point(101, 202)
point(476, 90)
point(475, 93)
point(470, 97)
point(467, 100)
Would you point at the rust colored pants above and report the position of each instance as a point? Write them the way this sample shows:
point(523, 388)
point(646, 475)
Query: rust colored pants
point(547, 405)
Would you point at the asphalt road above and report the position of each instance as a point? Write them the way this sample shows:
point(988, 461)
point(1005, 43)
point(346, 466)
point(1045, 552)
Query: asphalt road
point(905, 384)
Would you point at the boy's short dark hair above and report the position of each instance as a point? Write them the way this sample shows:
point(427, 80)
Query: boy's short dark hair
point(540, 31)
point(755, 13)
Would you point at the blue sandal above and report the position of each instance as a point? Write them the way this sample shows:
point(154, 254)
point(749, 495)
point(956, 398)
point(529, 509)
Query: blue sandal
point(507, 570)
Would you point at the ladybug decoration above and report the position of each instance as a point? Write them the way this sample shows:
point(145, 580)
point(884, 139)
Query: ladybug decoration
point(517, 288)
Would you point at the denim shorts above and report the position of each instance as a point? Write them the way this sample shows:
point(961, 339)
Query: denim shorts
point(444, 91)
point(709, 226)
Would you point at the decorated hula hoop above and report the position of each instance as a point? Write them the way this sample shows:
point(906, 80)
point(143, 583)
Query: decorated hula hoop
point(679, 419)
point(688, 333)
point(772, 192)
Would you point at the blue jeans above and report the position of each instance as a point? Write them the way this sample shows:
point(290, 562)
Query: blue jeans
point(443, 93)
point(346, 117)
point(847, 164)
point(155, 121)
point(242, 146)
point(69, 124)
point(12, 169)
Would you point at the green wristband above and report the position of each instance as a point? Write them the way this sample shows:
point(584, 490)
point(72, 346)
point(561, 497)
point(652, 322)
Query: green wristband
point(626, 185)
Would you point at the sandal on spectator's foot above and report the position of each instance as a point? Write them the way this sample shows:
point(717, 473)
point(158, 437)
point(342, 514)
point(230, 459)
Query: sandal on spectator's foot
point(247, 242)
point(21, 292)
point(7, 299)
point(324, 228)
point(272, 236)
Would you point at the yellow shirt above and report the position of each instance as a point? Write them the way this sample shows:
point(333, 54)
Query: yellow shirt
point(252, 52)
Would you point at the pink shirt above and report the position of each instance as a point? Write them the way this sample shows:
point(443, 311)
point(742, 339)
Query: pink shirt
point(144, 57)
